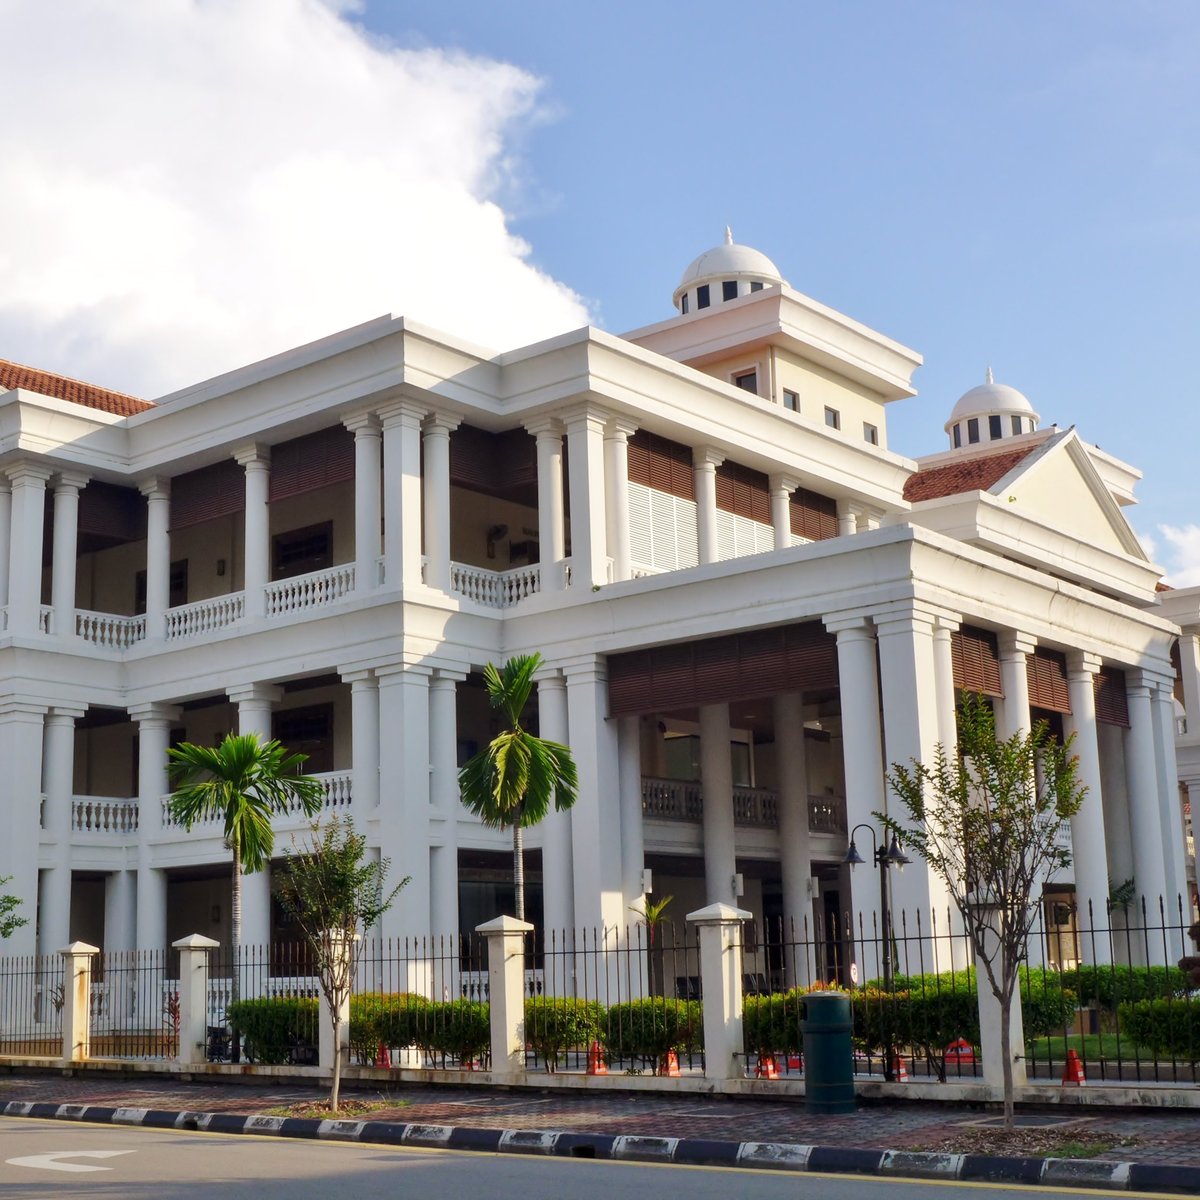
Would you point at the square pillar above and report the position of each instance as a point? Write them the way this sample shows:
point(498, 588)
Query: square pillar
point(506, 995)
point(193, 998)
point(558, 899)
point(445, 804)
point(719, 927)
point(77, 1001)
point(589, 542)
point(402, 494)
point(364, 740)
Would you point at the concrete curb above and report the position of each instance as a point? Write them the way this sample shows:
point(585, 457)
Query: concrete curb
point(775, 1156)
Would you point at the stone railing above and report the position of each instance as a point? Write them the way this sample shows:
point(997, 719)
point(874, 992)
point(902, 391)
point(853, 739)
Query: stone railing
point(205, 616)
point(108, 631)
point(494, 589)
point(338, 797)
point(309, 591)
point(683, 800)
point(103, 814)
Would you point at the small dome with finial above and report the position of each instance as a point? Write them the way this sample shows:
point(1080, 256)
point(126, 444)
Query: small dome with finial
point(990, 412)
point(724, 273)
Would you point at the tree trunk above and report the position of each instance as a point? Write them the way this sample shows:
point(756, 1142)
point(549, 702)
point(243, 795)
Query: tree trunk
point(235, 943)
point(519, 869)
point(1006, 1052)
point(337, 1061)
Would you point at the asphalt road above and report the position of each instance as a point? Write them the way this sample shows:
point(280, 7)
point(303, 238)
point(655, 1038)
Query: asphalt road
point(63, 1161)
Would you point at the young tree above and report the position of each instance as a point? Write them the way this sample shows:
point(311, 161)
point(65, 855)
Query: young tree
point(244, 782)
point(9, 920)
point(512, 781)
point(988, 819)
point(332, 893)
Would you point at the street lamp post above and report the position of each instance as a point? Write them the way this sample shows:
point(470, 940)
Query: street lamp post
point(885, 856)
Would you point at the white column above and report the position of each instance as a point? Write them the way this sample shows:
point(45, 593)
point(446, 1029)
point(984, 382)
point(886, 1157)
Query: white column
point(558, 898)
point(20, 826)
point(5, 537)
point(1189, 669)
point(402, 494)
point(851, 518)
point(795, 841)
point(862, 749)
point(616, 492)
point(705, 462)
point(444, 798)
point(25, 548)
point(437, 430)
point(120, 930)
point(551, 518)
point(256, 702)
point(404, 808)
point(65, 552)
point(1012, 716)
point(154, 723)
point(589, 540)
point(1149, 860)
point(368, 511)
point(781, 488)
point(943, 670)
point(1170, 805)
point(595, 818)
point(158, 555)
point(364, 740)
point(1089, 857)
point(716, 782)
point(54, 917)
point(256, 568)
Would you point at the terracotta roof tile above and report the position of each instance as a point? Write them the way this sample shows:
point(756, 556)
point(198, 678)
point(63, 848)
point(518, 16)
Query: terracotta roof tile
point(976, 474)
point(45, 383)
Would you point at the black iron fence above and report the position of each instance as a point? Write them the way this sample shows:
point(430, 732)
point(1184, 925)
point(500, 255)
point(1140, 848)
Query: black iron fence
point(31, 1004)
point(134, 1006)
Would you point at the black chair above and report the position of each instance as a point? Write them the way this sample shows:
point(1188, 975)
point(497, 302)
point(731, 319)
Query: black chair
point(687, 987)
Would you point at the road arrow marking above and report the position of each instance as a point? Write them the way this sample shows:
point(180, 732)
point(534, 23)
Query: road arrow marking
point(50, 1162)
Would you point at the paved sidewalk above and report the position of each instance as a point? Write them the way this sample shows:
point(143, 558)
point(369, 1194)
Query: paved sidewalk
point(1160, 1137)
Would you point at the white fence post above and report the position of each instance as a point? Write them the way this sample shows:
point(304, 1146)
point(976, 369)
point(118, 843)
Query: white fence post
point(989, 1019)
point(193, 997)
point(77, 1001)
point(720, 931)
point(506, 985)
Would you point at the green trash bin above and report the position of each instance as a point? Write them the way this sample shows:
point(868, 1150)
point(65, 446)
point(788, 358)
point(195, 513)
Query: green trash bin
point(826, 1025)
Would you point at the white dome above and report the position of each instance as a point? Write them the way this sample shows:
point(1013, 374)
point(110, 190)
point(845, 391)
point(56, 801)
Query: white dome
point(729, 262)
point(992, 399)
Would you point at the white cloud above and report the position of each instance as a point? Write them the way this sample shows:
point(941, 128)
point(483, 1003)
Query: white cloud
point(187, 185)
point(1181, 554)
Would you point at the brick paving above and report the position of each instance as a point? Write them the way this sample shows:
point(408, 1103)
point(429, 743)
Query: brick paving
point(1158, 1136)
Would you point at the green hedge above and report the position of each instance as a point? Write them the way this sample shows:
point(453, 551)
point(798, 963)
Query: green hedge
point(456, 1029)
point(647, 1029)
point(395, 1019)
point(1113, 985)
point(1170, 1027)
point(555, 1024)
point(271, 1028)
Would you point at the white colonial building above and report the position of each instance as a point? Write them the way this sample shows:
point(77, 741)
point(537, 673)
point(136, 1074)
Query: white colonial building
point(747, 605)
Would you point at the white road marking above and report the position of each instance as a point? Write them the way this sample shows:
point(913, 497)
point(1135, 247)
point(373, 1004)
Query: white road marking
point(50, 1162)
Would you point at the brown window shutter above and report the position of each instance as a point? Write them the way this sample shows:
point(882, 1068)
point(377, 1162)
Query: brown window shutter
point(314, 461)
point(743, 492)
point(111, 513)
point(204, 495)
point(1112, 704)
point(1046, 671)
point(813, 516)
point(976, 661)
point(659, 463)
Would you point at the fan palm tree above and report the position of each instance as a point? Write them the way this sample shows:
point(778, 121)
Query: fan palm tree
point(244, 782)
point(513, 781)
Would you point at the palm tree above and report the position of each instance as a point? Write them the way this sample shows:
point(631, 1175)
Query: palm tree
point(244, 782)
point(514, 779)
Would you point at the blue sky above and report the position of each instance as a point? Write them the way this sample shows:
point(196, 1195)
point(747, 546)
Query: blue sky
point(196, 184)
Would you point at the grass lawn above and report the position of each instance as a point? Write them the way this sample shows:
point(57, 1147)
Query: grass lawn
point(1089, 1047)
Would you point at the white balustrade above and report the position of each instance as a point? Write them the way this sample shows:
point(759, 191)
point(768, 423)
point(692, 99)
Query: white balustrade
point(205, 616)
point(495, 589)
point(109, 631)
point(313, 590)
point(103, 814)
point(683, 800)
point(337, 799)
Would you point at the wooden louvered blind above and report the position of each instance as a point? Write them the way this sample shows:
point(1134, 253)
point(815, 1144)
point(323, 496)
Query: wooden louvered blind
point(497, 464)
point(114, 513)
point(1046, 671)
point(310, 462)
point(1112, 705)
point(813, 516)
point(744, 492)
point(657, 462)
point(204, 495)
point(740, 666)
point(976, 661)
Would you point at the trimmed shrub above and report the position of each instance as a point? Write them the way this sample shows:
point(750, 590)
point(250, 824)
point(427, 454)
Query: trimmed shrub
point(395, 1019)
point(647, 1029)
point(555, 1024)
point(272, 1028)
point(1170, 1027)
point(1109, 986)
point(771, 1024)
point(455, 1029)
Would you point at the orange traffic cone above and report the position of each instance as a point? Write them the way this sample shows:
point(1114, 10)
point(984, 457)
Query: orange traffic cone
point(383, 1058)
point(767, 1067)
point(960, 1051)
point(1073, 1071)
point(669, 1064)
point(795, 1062)
point(899, 1070)
point(595, 1062)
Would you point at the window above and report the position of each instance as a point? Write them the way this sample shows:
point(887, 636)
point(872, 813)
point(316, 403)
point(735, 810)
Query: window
point(995, 428)
point(702, 296)
point(308, 731)
point(178, 586)
point(833, 418)
point(729, 289)
point(747, 381)
point(973, 429)
point(791, 401)
point(683, 303)
point(870, 433)
point(756, 286)
point(1016, 425)
point(300, 551)
point(957, 436)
